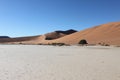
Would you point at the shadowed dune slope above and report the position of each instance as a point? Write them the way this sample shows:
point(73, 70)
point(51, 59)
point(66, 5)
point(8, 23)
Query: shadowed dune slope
point(58, 34)
point(106, 33)
point(50, 37)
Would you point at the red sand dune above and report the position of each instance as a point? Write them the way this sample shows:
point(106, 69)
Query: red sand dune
point(106, 33)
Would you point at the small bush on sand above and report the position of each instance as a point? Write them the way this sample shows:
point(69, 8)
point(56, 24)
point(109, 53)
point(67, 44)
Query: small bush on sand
point(117, 46)
point(40, 44)
point(83, 42)
point(103, 44)
point(20, 43)
point(106, 45)
point(58, 44)
point(48, 38)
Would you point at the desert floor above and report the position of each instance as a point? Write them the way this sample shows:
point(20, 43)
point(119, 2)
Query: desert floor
point(35, 62)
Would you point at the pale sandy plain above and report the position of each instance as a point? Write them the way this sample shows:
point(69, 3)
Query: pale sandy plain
point(35, 62)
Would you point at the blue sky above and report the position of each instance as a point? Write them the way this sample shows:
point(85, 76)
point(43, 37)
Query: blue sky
point(34, 17)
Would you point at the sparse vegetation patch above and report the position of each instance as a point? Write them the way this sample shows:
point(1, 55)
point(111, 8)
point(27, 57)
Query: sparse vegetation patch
point(83, 42)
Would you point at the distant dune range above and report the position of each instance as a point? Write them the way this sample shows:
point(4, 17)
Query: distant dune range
point(36, 39)
point(107, 33)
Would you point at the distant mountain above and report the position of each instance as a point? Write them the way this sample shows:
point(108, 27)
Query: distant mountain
point(4, 37)
point(67, 32)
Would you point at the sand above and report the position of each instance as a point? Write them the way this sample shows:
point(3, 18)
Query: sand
point(107, 33)
point(35, 62)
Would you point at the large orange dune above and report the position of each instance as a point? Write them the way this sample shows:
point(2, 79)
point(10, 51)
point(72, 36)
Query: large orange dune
point(107, 33)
